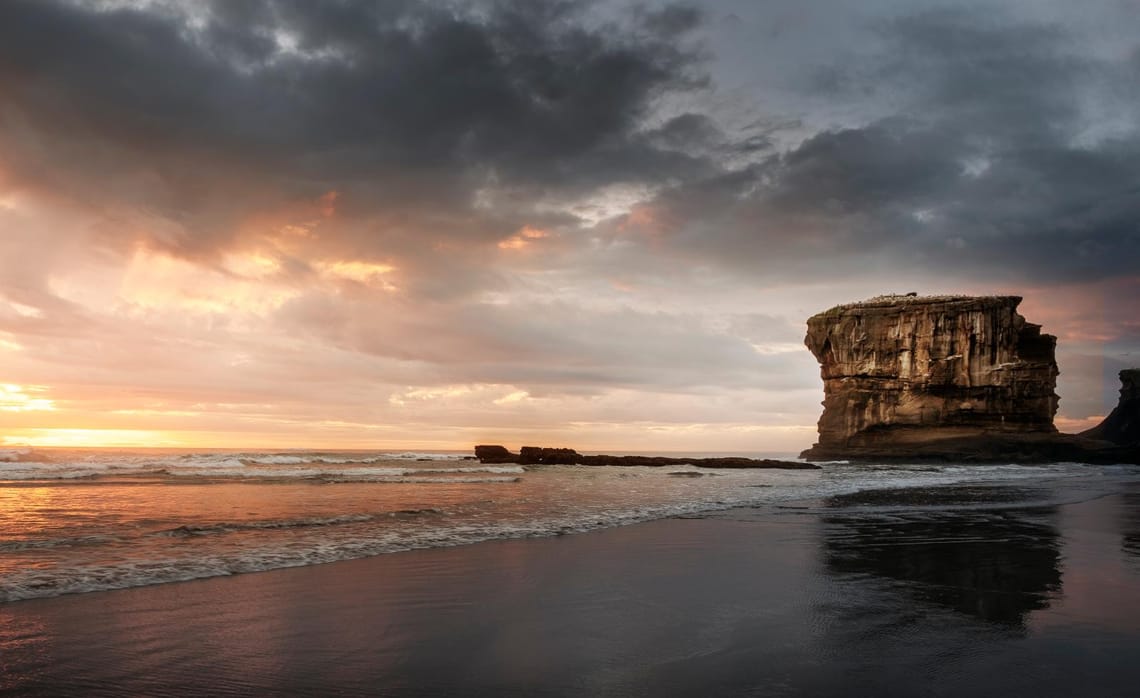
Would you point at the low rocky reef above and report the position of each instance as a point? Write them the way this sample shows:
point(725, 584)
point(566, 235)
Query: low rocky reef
point(950, 378)
point(535, 455)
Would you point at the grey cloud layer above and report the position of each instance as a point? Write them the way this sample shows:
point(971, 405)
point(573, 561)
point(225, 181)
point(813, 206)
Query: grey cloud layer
point(993, 158)
point(400, 105)
point(1010, 151)
point(982, 147)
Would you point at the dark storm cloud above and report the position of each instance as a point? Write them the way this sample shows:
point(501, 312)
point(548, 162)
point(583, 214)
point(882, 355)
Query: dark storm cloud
point(448, 122)
point(1002, 156)
point(402, 105)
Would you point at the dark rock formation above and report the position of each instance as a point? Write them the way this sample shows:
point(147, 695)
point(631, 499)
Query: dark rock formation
point(946, 377)
point(533, 455)
point(723, 463)
point(495, 454)
point(1122, 425)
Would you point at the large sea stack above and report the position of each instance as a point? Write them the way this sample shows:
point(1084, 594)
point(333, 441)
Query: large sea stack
point(943, 377)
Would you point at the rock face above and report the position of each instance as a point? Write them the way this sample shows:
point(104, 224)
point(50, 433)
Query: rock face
point(1122, 425)
point(903, 372)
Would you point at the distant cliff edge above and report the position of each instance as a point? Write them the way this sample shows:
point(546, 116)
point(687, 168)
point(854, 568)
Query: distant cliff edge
point(1122, 425)
point(943, 377)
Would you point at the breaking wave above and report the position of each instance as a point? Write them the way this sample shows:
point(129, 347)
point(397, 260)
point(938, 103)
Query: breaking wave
point(551, 501)
point(15, 466)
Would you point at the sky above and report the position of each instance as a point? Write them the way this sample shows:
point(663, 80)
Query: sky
point(400, 224)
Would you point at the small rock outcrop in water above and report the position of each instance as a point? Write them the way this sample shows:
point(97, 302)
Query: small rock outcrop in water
point(495, 454)
point(943, 377)
point(534, 455)
point(1122, 425)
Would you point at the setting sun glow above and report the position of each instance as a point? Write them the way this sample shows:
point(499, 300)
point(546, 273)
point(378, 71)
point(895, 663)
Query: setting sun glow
point(21, 398)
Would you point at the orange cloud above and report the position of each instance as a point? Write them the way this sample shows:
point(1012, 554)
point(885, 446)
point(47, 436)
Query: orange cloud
point(23, 398)
point(159, 281)
point(644, 219)
point(368, 273)
point(327, 203)
point(522, 238)
point(1093, 311)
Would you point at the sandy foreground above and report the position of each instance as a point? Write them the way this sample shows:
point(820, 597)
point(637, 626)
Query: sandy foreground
point(994, 590)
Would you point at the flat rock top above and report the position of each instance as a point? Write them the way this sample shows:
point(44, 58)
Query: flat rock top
point(901, 302)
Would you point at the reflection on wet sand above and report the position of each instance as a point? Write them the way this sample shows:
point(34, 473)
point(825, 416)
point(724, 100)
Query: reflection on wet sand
point(950, 547)
point(1130, 522)
point(938, 592)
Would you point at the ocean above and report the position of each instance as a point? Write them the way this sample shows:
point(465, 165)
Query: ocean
point(74, 521)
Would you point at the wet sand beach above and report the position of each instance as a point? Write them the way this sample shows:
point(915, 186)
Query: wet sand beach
point(987, 590)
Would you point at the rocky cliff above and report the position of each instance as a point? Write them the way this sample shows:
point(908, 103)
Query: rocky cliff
point(1122, 425)
point(903, 372)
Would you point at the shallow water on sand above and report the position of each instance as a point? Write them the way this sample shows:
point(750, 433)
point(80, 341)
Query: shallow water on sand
point(983, 587)
point(73, 522)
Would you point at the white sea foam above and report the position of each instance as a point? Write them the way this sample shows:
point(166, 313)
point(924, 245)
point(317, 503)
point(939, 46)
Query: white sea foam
point(424, 455)
point(46, 471)
point(204, 548)
point(230, 527)
point(342, 458)
point(246, 465)
point(333, 474)
point(505, 469)
point(38, 583)
point(264, 472)
point(44, 543)
point(457, 480)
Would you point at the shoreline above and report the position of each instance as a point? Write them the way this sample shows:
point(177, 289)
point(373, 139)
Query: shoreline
point(798, 598)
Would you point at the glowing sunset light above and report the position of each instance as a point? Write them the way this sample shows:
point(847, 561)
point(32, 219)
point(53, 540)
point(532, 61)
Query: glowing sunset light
point(362, 272)
point(516, 396)
point(524, 236)
point(20, 398)
point(158, 412)
point(9, 201)
point(158, 281)
point(300, 231)
point(256, 266)
point(300, 236)
point(430, 394)
point(327, 203)
point(24, 310)
point(91, 438)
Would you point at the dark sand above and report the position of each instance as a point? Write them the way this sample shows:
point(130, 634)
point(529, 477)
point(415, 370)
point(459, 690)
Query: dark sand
point(946, 592)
